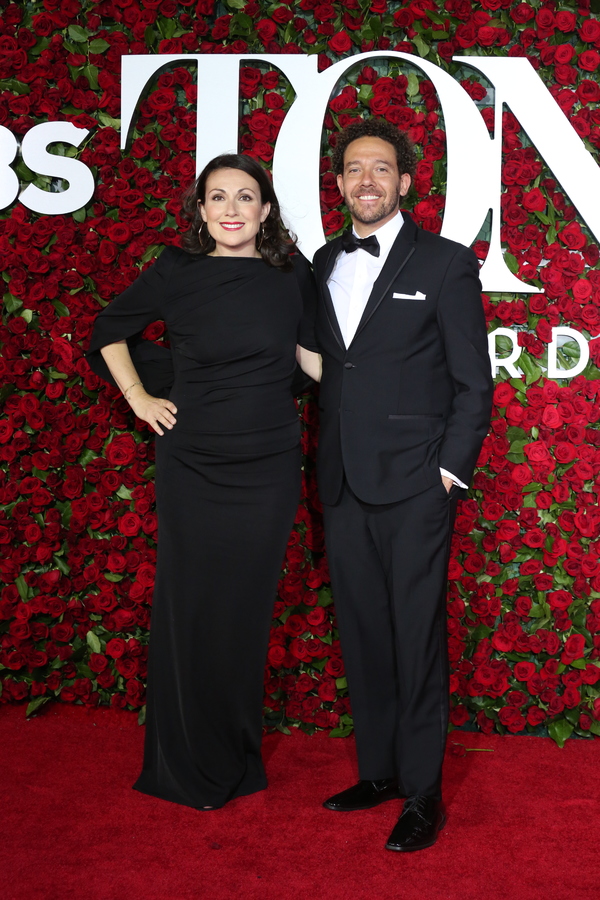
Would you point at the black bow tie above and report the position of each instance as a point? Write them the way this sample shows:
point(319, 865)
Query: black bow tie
point(350, 243)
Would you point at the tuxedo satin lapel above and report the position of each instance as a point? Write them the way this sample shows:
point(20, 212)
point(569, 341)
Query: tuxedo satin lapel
point(334, 248)
point(402, 249)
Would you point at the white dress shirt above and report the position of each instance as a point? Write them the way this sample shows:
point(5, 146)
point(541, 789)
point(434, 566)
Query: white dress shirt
point(352, 280)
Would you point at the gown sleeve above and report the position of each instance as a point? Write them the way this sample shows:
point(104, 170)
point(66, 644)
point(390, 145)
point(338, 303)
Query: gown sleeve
point(301, 382)
point(125, 319)
point(308, 289)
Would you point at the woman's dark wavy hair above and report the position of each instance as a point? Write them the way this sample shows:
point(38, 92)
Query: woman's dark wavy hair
point(379, 128)
point(277, 245)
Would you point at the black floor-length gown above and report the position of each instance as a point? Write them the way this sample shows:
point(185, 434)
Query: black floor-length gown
point(227, 487)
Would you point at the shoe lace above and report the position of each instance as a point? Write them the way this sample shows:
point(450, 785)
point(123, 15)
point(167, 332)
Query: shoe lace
point(416, 805)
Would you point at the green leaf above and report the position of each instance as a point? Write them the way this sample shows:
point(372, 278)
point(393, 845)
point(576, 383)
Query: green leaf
point(65, 512)
point(12, 304)
point(241, 24)
point(61, 564)
point(560, 730)
point(325, 598)
point(41, 45)
point(536, 611)
point(105, 119)
point(344, 731)
point(511, 263)
point(98, 45)
point(142, 715)
point(60, 308)
point(27, 314)
point(519, 387)
point(35, 704)
point(413, 85)
point(319, 664)
point(17, 87)
point(150, 253)
point(80, 214)
point(421, 45)
point(286, 614)
point(149, 472)
point(86, 456)
point(77, 33)
point(365, 92)
point(376, 26)
point(93, 642)
point(124, 493)
point(579, 664)
point(22, 587)
point(113, 576)
point(435, 17)
point(341, 683)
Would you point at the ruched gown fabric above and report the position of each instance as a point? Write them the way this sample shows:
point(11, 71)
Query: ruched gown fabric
point(227, 488)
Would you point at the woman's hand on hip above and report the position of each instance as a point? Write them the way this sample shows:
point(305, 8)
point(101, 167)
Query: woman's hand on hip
point(158, 413)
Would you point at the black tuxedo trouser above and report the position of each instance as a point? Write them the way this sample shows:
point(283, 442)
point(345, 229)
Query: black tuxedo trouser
point(389, 566)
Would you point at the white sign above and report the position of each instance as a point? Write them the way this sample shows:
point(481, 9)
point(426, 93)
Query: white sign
point(474, 158)
point(560, 335)
point(36, 157)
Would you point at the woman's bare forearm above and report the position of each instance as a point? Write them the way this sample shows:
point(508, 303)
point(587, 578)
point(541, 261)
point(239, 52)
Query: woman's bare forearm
point(156, 411)
point(310, 362)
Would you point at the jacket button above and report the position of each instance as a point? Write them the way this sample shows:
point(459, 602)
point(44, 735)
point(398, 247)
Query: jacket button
point(348, 365)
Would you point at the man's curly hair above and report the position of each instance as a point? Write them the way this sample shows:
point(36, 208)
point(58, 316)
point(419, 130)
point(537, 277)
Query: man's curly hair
point(379, 128)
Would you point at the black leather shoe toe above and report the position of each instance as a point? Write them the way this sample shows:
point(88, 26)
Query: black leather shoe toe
point(364, 795)
point(419, 825)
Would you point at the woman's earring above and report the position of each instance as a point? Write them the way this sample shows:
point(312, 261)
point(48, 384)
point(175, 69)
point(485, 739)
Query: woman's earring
point(261, 237)
point(200, 230)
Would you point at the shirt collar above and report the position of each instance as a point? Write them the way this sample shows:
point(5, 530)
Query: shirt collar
point(387, 234)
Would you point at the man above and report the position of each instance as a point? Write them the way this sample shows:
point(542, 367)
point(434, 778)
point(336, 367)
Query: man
point(405, 404)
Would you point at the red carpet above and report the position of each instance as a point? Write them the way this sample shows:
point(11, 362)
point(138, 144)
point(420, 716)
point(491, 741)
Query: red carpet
point(522, 822)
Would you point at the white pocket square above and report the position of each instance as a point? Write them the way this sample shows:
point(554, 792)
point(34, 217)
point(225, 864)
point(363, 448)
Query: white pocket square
point(416, 296)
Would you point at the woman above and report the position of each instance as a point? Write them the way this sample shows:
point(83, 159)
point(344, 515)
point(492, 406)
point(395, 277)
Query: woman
point(227, 472)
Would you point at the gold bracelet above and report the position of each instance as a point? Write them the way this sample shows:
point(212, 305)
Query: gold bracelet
point(129, 388)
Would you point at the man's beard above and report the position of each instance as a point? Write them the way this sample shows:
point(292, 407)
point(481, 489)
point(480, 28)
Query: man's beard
point(376, 213)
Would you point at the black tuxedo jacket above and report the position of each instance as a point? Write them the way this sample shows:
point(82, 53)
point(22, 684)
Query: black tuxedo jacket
point(413, 390)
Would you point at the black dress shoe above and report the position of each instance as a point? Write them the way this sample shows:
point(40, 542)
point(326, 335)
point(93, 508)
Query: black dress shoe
point(364, 795)
point(418, 827)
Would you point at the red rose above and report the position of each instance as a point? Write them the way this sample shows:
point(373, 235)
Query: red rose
point(121, 451)
point(536, 452)
point(333, 221)
point(559, 600)
point(503, 393)
point(535, 714)
point(534, 200)
point(267, 29)
point(62, 632)
point(572, 236)
point(116, 647)
point(130, 524)
point(523, 671)
point(335, 667)
point(588, 91)
point(589, 60)
point(340, 43)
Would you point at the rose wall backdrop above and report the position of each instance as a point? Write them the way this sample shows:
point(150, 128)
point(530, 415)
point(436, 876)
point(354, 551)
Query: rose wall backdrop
point(77, 517)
